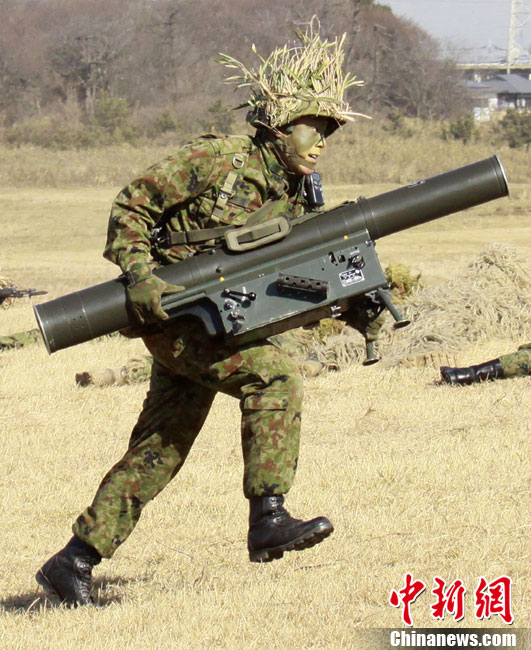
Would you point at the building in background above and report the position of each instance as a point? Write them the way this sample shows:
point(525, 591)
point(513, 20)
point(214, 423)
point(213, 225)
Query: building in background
point(499, 93)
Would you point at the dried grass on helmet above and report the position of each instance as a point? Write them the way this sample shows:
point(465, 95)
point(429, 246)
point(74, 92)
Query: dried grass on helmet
point(294, 81)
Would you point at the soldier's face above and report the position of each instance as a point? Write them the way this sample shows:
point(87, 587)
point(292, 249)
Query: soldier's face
point(305, 141)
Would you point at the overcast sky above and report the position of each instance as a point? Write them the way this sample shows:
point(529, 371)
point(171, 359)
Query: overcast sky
point(467, 23)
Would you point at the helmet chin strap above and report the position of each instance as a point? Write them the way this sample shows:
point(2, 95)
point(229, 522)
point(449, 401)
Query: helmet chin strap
point(285, 149)
point(281, 147)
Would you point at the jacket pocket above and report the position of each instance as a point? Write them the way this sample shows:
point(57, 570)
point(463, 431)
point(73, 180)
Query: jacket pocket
point(274, 401)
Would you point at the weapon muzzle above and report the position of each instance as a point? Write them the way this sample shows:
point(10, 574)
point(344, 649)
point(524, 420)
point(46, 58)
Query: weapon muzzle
point(435, 197)
point(83, 315)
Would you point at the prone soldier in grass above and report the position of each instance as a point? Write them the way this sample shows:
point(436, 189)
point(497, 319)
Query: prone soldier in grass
point(516, 364)
point(138, 369)
point(9, 293)
point(176, 209)
point(20, 339)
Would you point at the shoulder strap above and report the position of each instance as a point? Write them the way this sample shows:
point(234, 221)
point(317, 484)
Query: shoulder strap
point(239, 160)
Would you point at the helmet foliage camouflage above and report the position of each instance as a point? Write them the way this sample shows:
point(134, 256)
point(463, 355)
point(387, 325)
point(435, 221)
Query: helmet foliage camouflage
point(292, 82)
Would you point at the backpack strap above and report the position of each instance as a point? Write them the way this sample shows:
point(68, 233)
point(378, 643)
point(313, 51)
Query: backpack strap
point(237, 238)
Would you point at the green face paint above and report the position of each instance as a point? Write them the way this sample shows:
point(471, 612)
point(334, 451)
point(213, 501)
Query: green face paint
point(304, 142)
point(304, 138)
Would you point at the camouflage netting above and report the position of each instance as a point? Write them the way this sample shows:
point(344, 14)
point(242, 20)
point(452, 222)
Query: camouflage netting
point(490, 299)
point(403, 284)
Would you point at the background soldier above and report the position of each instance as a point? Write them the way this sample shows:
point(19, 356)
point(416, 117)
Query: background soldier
point(8, 294)
point(138, 369)
point(173, 210)
point(517, 364)
point(20, 340)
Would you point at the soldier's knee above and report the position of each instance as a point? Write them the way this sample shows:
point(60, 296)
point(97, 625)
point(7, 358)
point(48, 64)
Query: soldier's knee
point(296, 384)
point(290, 384)
point(283, 392)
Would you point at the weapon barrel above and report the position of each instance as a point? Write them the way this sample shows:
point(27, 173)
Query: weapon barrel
point(102, 309)
point(83, 315)
point(435, 197)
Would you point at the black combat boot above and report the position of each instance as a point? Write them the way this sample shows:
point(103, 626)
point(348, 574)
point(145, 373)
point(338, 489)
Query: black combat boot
point(272, 530)
point(465, 376)
point(68, 574)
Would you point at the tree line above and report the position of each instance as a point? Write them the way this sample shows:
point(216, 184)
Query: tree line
point(79, 70)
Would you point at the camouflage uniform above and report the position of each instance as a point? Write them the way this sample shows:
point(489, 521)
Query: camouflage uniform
point(20, 339)
point(517, 364)
point(295, 343)
point(188, 367)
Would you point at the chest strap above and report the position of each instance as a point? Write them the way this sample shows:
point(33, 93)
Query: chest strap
point(196, 236)
point(237, 238)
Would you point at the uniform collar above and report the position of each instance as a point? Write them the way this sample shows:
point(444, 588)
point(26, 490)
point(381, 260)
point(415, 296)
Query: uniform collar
point(274, 167)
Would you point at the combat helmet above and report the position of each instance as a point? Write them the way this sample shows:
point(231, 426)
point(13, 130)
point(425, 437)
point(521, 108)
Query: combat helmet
point(297, 81)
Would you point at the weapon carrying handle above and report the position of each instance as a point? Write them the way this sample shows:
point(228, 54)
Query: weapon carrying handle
point(248, 237)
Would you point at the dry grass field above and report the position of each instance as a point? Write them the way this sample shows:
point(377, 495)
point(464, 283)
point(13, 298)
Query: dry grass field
point(417, 477)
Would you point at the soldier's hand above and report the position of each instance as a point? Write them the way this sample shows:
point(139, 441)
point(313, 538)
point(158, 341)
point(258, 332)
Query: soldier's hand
point(144, 292)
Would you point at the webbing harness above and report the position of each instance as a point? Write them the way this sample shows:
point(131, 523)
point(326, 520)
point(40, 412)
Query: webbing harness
point(237, 238)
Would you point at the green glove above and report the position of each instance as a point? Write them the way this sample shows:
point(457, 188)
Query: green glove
point(144, 292)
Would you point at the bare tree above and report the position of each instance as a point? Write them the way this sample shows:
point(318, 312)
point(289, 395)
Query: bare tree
point(159, 54)
point(416, 79)
point(84, 54)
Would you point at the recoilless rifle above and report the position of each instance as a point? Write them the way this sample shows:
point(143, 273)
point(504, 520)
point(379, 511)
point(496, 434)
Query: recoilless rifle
point(271, 276)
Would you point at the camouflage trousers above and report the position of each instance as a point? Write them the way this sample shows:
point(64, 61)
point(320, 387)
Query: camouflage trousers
point(518, 363)
point(20, 339)
point(188, 370)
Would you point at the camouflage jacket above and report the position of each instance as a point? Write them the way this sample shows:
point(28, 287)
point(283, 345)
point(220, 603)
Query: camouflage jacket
point(183, 191)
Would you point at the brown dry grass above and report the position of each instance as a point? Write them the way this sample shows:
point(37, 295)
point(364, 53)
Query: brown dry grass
point(364, 152)
point(491, 298)
point(416, 476)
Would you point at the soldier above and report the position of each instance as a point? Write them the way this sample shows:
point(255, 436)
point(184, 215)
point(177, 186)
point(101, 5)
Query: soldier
point(23, 339)
point(8, 294)
point(20, 340)
point(138, 369)
point(173, 210)
point(517, 364)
